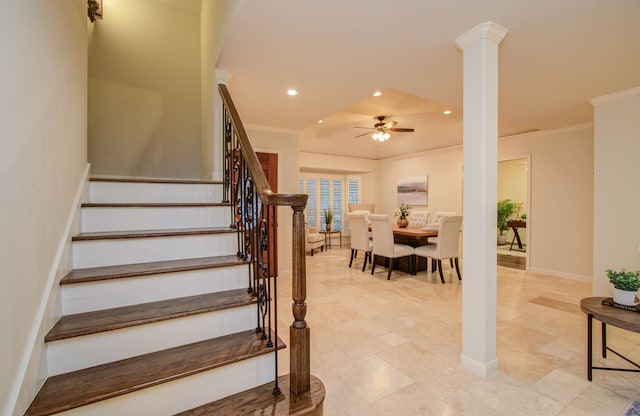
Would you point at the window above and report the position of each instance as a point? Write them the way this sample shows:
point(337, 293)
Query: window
point(328, 191)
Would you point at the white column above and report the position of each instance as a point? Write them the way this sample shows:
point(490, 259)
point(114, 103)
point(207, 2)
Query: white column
point(222, 77)
point(480, 152)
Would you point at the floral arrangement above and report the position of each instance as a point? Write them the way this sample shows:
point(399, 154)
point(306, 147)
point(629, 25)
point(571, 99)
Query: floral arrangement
point(403, 211)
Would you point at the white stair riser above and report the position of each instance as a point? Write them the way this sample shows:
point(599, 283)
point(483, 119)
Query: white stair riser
point(97, 219)
point(89, 350)
point(112, 293)
point(153, 192)
point(186, 393)
point(97, 253)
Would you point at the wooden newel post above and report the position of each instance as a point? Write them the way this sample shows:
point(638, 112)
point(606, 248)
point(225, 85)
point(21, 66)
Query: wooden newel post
point(299, 367)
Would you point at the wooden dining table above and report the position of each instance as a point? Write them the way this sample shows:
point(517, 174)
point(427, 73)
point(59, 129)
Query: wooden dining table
point(414, 237)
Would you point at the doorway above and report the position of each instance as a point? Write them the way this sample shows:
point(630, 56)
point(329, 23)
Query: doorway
point(513, 185)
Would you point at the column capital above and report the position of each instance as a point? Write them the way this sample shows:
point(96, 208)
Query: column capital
point(488, 30)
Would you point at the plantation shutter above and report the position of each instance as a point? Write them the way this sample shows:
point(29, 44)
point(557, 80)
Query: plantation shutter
point(312, 204)
point(325, 199)
point(337, 204)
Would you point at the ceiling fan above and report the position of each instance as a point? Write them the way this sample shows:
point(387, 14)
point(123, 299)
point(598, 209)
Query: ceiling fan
point(382, 128)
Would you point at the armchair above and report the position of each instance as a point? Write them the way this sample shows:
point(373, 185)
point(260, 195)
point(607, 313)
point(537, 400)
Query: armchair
point(313, 239)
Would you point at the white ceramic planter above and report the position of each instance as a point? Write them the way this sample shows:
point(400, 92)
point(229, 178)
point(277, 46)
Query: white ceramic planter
point(625, 297)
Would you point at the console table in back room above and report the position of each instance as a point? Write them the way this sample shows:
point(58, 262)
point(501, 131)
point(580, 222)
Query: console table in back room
point(515, 224)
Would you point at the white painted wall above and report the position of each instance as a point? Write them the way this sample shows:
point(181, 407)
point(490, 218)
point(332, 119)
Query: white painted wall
point(444, 169)
point(42, 161)
point(560, 217)
point(144, 91)
point(617, 181)
point(216, 17)
point(285, 144)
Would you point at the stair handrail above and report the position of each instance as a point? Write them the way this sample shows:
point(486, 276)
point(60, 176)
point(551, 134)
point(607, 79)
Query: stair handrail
point(260, 179)
point(300, 375)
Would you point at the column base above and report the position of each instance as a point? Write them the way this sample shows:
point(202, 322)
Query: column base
point(484, 370)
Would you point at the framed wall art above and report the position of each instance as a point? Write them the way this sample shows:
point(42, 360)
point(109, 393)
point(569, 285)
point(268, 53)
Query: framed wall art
point(413, 190)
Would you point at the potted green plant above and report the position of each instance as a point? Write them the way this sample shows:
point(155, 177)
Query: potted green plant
point(328, 218)
point(505, 209)
point(625, 286)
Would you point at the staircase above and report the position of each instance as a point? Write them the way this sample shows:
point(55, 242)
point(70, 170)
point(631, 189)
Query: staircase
point(157, 318)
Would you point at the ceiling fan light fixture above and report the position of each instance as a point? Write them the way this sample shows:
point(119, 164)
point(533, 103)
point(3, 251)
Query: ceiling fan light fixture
point(380, 136)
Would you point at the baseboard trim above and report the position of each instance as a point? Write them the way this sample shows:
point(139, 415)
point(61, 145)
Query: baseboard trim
point(484, 370)
point(29, 358)
point(563, 275)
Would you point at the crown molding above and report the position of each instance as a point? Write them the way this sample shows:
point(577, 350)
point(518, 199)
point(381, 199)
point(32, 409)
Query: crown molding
point(615, 96)
point(542, 133)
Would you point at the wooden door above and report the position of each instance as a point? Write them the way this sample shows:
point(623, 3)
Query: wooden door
point(269, 162)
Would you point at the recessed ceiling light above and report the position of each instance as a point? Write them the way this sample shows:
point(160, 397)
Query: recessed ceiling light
point(377, 94)
point(320, 121)
point(447, 112)
point(292, 92)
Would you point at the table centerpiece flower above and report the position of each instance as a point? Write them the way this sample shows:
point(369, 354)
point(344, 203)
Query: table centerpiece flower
point(403, 214)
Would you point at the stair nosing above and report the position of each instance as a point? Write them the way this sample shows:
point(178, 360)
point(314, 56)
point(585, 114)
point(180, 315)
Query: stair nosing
point(154, 204)
point(95, 274)
point(117, 235)
point(85, 377)
point(159, 180)
point(260, 399)
point(213, 302)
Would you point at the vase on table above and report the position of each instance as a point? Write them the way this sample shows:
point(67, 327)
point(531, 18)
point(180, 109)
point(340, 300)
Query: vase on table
point(625, 297)
point(403, 222)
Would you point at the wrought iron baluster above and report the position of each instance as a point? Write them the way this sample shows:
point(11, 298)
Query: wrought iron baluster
point(273, 265)
point(227, 161)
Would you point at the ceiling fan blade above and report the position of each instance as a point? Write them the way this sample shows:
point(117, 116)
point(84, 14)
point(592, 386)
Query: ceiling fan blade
point(389, 125)
point(400, 129)
point(363, 134)
point(358, 127)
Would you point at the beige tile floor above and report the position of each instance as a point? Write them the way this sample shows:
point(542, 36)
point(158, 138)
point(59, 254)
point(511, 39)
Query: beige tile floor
point(392, 347)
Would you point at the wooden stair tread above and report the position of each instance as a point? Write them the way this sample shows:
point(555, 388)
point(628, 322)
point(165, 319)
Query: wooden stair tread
point(261, 401)
point(154, 204)
point(158, 180)
point(112, 235)
point(90, 385)
point(143, 269)
point(127, 316)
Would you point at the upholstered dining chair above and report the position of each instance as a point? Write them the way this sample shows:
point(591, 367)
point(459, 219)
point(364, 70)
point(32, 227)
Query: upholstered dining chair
point(436, 218)
point(419, 218)
point(447, 246)
point(360, 207)
point(383, 244)
point(360, 240)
